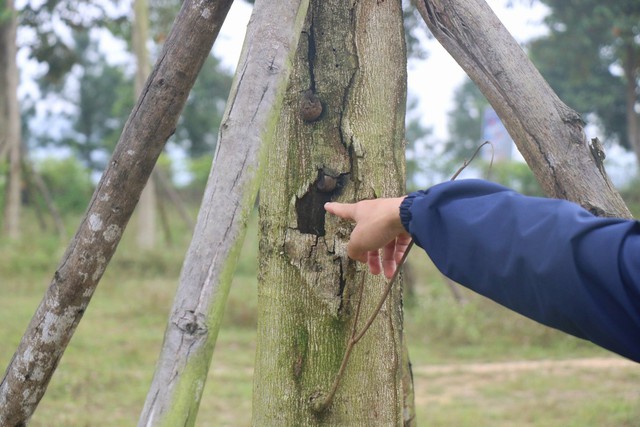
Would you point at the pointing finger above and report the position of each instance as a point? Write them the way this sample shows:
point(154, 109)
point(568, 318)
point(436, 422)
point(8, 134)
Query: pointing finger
point(343, 210)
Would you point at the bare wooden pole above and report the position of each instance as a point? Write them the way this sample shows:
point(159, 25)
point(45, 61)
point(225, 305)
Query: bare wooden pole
point(150, 124)
point(146, 213)
point(10, 129)
point(248, 125)
point(549, 134)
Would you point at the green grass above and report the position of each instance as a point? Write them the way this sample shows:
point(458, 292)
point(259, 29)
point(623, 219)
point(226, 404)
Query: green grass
point(105, 373)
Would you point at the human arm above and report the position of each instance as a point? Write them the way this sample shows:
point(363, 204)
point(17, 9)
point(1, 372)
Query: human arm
point(547, 259)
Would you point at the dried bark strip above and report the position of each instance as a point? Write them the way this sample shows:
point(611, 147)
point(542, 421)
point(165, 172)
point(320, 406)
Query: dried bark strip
point(247, 129)
point(150, 124)
point(549, 134)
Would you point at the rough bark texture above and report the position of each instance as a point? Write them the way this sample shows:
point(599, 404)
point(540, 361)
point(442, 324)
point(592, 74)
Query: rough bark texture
point(150, 124)
point(146, 209)
point(247, 127)
point(10, 130)
point(549, 134)
point(352, 58)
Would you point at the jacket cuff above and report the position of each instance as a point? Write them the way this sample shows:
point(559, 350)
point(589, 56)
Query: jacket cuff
point(405, 209)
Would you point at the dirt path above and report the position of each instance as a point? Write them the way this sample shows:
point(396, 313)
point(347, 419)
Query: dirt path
point(514, 389)
point(525, 365)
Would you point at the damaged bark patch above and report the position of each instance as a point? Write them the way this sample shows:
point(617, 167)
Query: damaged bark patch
point(310, 207)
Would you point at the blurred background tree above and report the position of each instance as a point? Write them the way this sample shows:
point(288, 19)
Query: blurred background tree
point(81, 60)
point(591, 58)
point(590, 55)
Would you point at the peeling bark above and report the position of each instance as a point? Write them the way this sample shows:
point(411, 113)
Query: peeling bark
point(549, 134)
point(150, 124)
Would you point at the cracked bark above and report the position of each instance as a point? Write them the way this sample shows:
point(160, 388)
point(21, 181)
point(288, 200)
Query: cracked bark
point(257, 93)
point(549, 134)
point(307, 284)
point(150, 124)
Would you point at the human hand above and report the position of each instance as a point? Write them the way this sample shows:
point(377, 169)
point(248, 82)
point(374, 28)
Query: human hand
point(378, 226)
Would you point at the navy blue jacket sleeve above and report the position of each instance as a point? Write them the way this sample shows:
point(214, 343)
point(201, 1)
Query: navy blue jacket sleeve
point(547, 259)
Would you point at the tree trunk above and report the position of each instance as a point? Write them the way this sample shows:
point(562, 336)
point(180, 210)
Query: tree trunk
point(10, 133)
point(33, 179)
point(352, 61)
point(146, 209)
point(630, 65)
point(165, 186)
point(247, 127)
point(549, 134)
point(150, 124)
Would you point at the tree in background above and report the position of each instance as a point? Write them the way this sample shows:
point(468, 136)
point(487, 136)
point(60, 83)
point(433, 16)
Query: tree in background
point(49, 44)
point(98, 93)
point(424, 155)
point(102, 98)
point(465, 121)
point(69, 182)
point(10, 128)
point(591, 57)
point(465, 130)
point(197, 131)
point(146, 209)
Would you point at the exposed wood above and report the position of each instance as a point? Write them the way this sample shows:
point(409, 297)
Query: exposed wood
point(245, 133)
point(549, 134)
point(352, 60)
point(150, 124)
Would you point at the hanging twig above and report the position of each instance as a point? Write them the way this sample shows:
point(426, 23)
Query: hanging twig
point(473, 156)
point(357, 336)
point(321, 406)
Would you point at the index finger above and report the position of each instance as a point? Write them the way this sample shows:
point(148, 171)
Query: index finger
point(343, 210)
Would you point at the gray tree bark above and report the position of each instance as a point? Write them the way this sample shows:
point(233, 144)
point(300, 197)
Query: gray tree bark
point(247, 127)
point(10, 130)
point(351, 62)
point(549, 134)
point(150, 124)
